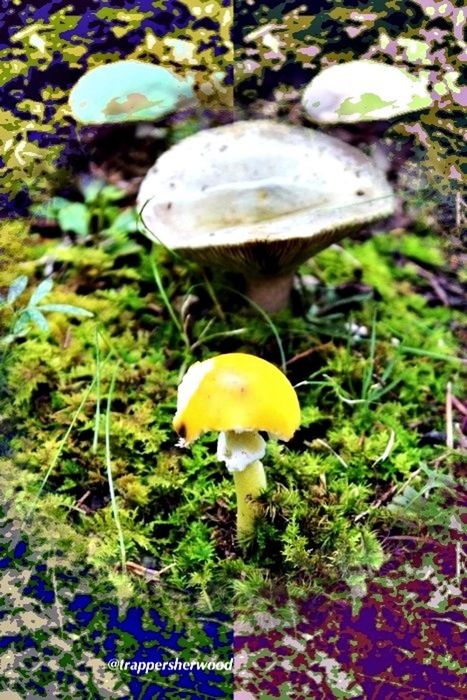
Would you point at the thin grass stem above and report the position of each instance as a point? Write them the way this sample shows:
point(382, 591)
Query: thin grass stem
point(270, 323)
point(59, 450)
point(369, 371)
point(97, 415)
point(220, 334)
point(166, 300)
point(108, 464)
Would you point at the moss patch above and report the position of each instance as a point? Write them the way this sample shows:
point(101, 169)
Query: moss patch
point(371, 358)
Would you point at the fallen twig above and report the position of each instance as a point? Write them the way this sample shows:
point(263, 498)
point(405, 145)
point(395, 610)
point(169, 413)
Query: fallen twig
point(144, 571)
point(435, 285)
point(79, 503)
point(459, 405)
point(306, 353)
point(376, 504)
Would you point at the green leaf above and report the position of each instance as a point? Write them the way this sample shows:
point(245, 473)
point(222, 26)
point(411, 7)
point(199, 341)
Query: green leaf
point(38, 319)
point(50, 209)
point(67, 309)
point(75, 217)
point(126, 221)
point(110, 212)
point(42, 290)
point(91, 189)
point(111, 193)
point(17, 287)
point(22, 323)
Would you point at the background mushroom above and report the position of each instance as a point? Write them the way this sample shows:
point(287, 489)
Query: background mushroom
point(260, 197)
point(238, 395)
point(363, 90)
point(126, 91)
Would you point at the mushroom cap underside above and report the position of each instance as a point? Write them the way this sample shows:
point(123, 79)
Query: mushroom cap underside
point(260, 182)
point(268, 258)
point(263, 259)
point(236, 392)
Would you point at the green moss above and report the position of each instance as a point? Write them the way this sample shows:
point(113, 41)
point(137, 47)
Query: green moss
point(367, 398)
point(14, 237)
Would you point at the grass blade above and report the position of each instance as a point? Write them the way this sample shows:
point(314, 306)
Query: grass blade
point(108, 464)
point(270, 323)
point(369, 371)
point(60, 448)
point(165, 299)
point(430, 353)
point(97, 415)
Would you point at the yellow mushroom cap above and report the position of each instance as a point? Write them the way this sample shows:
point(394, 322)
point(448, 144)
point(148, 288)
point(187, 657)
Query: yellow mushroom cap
point(236, 392)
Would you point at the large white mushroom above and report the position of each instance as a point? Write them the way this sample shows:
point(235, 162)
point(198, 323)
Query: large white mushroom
point(260, 197)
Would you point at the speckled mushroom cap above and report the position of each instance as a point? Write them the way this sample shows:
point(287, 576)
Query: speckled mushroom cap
point(259, 196)
point(363, 90)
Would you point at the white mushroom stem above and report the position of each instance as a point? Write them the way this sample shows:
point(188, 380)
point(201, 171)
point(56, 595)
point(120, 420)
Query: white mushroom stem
point(270, 293)
point(242, 452)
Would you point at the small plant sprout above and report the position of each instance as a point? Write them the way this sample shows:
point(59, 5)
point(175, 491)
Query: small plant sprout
point(238, 395)
point(259, 198)
point(359, 91)
point(97, 213)
point(32, 315)
point(128, 91)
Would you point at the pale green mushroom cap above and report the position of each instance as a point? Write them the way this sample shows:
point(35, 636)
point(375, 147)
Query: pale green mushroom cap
point(127, 91)
point(364, 90)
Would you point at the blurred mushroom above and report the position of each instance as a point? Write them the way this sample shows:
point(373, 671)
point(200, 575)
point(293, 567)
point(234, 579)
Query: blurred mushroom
point(363, 91)
point(127, 91)
point(259, 197)
point(238, 395)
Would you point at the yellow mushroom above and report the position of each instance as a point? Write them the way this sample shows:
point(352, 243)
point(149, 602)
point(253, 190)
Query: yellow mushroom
point(238, 395)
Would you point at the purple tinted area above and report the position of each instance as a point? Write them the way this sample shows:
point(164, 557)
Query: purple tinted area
point(408, 639)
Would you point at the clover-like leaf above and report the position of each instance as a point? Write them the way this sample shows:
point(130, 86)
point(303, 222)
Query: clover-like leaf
point(22, 322)
point(7, 339)
point(38, 319)
point(17, 287)
point(42, 290)
point(67, 309)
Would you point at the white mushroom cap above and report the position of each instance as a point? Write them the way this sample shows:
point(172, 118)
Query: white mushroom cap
point(259, 196)
point(363, 91)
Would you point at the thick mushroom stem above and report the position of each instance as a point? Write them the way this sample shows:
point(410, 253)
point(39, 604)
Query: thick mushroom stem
point(270, 293)
point(242, 452)
point(248, 485)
